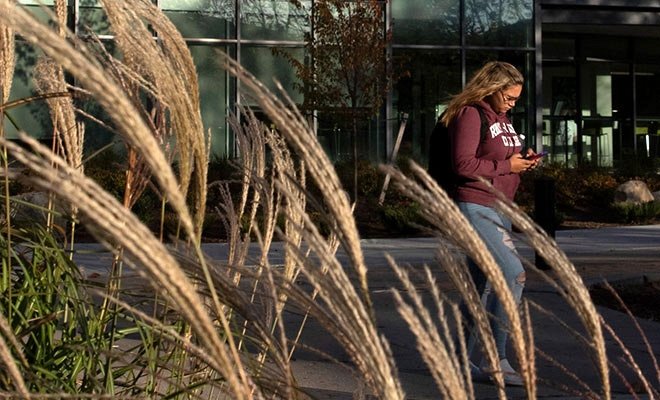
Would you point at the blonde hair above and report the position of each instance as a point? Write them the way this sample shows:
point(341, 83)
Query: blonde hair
point(492, 77)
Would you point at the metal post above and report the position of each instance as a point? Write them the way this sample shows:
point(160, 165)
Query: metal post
point(544, 211)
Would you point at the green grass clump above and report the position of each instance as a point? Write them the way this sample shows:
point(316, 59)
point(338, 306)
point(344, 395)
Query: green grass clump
point(633, 213)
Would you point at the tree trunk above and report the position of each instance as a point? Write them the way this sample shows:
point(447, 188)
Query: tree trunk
point(355, 161)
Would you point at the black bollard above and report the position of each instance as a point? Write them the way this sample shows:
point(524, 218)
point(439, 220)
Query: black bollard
point(544, 211)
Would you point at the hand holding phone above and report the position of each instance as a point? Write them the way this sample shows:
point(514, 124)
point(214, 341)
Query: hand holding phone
point(536, 156)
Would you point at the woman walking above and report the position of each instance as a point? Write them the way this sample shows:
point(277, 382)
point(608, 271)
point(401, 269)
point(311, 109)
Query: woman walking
point(496, 157)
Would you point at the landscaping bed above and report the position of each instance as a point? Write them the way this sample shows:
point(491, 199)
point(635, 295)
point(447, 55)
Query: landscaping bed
point(640, 298)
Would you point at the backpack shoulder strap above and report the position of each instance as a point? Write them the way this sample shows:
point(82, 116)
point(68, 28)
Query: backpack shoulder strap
point(484, 123)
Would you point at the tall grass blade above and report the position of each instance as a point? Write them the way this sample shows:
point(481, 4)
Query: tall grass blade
point(293, 126)
point(76, 59)
point(167, 63)
point(113, 225)
point(441, 211)
point(8, 360)
point(574, 289)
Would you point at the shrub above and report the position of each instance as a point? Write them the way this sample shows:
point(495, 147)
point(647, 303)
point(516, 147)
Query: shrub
point(401, 216)
point(637, 213)
point(585, 191)
point(370, 181)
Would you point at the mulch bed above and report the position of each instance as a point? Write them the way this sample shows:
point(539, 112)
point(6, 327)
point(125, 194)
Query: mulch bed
point(641, 299)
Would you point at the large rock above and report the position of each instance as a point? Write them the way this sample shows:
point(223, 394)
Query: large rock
point(633, 192)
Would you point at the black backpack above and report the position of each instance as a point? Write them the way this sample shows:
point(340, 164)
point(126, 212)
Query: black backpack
point(440, 159)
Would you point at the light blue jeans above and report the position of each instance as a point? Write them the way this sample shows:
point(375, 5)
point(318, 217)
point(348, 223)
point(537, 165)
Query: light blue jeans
point(495, 231)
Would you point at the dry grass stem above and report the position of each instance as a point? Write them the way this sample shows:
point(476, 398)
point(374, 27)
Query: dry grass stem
point(578, 337)
point(114, 225)
point(631, 363)
point(459, 275)
point(237, 250)
point(293, 126)
point(529, 339)
point(69, 134)
point(435, 346)
point(8, 359)
point(634, 366)
point(649, 348)
point(252, 307)
point(168, 64)
point(7, 62)
point(587, 394)
point(441, 211)
point(344, 314)
point(255, 189)
point(76, 59)
point(291, 176)
point(353, 320)
point(574, 290)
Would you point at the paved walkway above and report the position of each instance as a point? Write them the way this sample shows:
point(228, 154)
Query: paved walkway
point(613, 254)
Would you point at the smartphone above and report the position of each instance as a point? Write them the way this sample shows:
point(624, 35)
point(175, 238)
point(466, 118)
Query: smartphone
point(537, 156)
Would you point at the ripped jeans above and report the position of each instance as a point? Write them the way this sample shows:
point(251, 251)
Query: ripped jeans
point(494, 229)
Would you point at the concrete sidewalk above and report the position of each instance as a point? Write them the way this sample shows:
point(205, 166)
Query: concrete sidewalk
point(613, 254)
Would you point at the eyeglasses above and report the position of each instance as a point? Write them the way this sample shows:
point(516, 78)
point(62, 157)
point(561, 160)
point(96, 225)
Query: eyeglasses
point(508, 99)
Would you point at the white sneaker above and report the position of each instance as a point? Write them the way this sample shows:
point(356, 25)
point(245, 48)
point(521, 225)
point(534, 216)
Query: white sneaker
point(511, 376)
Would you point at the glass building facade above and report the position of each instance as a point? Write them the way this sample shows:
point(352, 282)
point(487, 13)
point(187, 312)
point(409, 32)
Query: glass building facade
point(592, 70)
point(600, 75)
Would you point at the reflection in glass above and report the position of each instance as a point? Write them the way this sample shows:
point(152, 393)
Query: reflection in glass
point(267, 67)
point(604, 94)
point(560, 134)
point(425, 22)
point(37, 2)
point(434, 76)
point(597, 49)
point(37, 9)
point(214, 94)
point(92, 18)
point(202, 18)
point(499, 23)
point(647, 82)
point(32, 118)
point(274, 20)
point(647, 50)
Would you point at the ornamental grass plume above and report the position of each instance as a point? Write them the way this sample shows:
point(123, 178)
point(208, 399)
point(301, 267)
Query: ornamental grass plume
point(294, 128)
point(76, 59)
point(653, 390)
point(568, 282)
point(254, 193)
point(7, 356)
point(7, 63)
point(443, 213)
point(340, 309)
point(69, 133)
point(168, 65)
point(352, 320)
point(114, 225)
point(48, 79)
point(255, 140)
point(433, 342)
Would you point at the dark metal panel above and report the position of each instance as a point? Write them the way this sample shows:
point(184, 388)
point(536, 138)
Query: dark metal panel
point(629, 4)
point(604, 17)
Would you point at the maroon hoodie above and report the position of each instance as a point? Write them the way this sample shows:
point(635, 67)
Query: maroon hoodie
point(488, 159)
